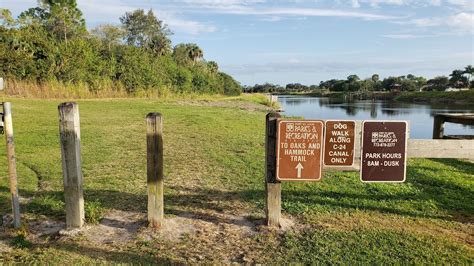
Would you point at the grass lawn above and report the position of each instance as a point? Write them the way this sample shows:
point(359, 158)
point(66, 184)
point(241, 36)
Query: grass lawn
point(214, 195)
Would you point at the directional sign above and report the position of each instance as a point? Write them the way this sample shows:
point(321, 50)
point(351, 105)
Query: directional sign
point(299, 151)
point(383, 155)
point(339, 143)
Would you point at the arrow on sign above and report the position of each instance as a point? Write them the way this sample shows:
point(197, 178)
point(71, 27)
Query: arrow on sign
point(299, 167)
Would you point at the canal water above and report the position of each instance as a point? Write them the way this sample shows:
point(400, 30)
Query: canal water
point(419, 116)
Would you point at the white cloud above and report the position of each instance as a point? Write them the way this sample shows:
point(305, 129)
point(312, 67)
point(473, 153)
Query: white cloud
point(221, 2)
point(402, 36)
point(355, 3)
point(465, 4)
point(462, 22)
point(108, 10)
point(376, 3)
point(189, 26)
point(255, 8)
point(387, 2)
point(309, 12)
point(271, 18)
point(426, 22)
point(294, 61)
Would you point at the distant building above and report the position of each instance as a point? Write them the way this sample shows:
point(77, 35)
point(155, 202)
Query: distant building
point(396, 88)
point(456, 89)
point(424, 88)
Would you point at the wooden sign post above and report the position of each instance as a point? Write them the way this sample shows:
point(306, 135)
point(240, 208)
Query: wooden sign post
point(70, 136)
point(299, 150)
point(272, 185)
point(339, 143)
point(7, 116)
point(154, 158)
point(384, 148)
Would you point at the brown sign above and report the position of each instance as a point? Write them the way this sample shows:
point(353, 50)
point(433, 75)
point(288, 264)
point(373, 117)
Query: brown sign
point(383, 156)
point(299, 151)
point(339, 143)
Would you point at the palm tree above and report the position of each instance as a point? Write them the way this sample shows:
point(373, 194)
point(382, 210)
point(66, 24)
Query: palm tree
point(470, 71)
point(160, 45)
point(457, 79)
point(195, 53)
point(375, 78)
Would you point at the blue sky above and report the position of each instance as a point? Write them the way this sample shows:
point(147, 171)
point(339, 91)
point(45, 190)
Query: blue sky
point(307, 41)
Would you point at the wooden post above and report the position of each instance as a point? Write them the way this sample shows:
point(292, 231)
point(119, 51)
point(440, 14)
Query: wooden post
point(154, 136)
point(8, 126)
point(272, 186)
point(70, 136)
point(438, 127)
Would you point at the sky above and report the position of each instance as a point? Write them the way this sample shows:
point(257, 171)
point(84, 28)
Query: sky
point(307, 41)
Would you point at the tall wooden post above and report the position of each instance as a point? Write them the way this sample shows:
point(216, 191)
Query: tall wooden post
point(8, 127)
point(438, 127)
point(70, 135)
point(154, 136)
point(272, 186)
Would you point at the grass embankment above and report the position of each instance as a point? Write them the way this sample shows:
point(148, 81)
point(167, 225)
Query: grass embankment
point(303, 93)
point(60, 90)
point(102, 90)
point(214, 195)
point(455, 97)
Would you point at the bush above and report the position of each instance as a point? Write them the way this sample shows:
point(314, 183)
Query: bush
point(27, 53)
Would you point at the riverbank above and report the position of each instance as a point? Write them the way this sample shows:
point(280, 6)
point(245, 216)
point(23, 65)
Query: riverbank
point(428, 97)
point(378, 95)
point(214, 195)
point(435, 97)
point(308, 93)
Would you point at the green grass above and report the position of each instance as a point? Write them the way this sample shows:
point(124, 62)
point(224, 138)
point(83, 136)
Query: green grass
point(369, 246)
point(466, 97)
point(214, 163)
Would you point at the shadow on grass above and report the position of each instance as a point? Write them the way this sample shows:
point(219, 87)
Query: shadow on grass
point(112, 256)
point(462, 166)
point(431, 197)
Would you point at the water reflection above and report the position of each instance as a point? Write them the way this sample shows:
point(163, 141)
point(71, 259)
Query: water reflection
point(420, 116)
point(300, 100)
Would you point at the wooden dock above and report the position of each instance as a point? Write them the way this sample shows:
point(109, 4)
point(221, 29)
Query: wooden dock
point(457, 118)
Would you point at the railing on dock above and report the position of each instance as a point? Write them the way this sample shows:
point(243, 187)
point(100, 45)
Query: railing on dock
point(457, 118)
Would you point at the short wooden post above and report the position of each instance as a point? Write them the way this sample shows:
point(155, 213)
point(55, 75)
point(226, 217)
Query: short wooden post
point(272, 186)
point(438, 127)
point(70, 136)
point(8, 127)
point(154, 136)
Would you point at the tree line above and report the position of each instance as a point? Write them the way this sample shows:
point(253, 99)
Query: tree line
point(51, 42)
point(457, 79)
